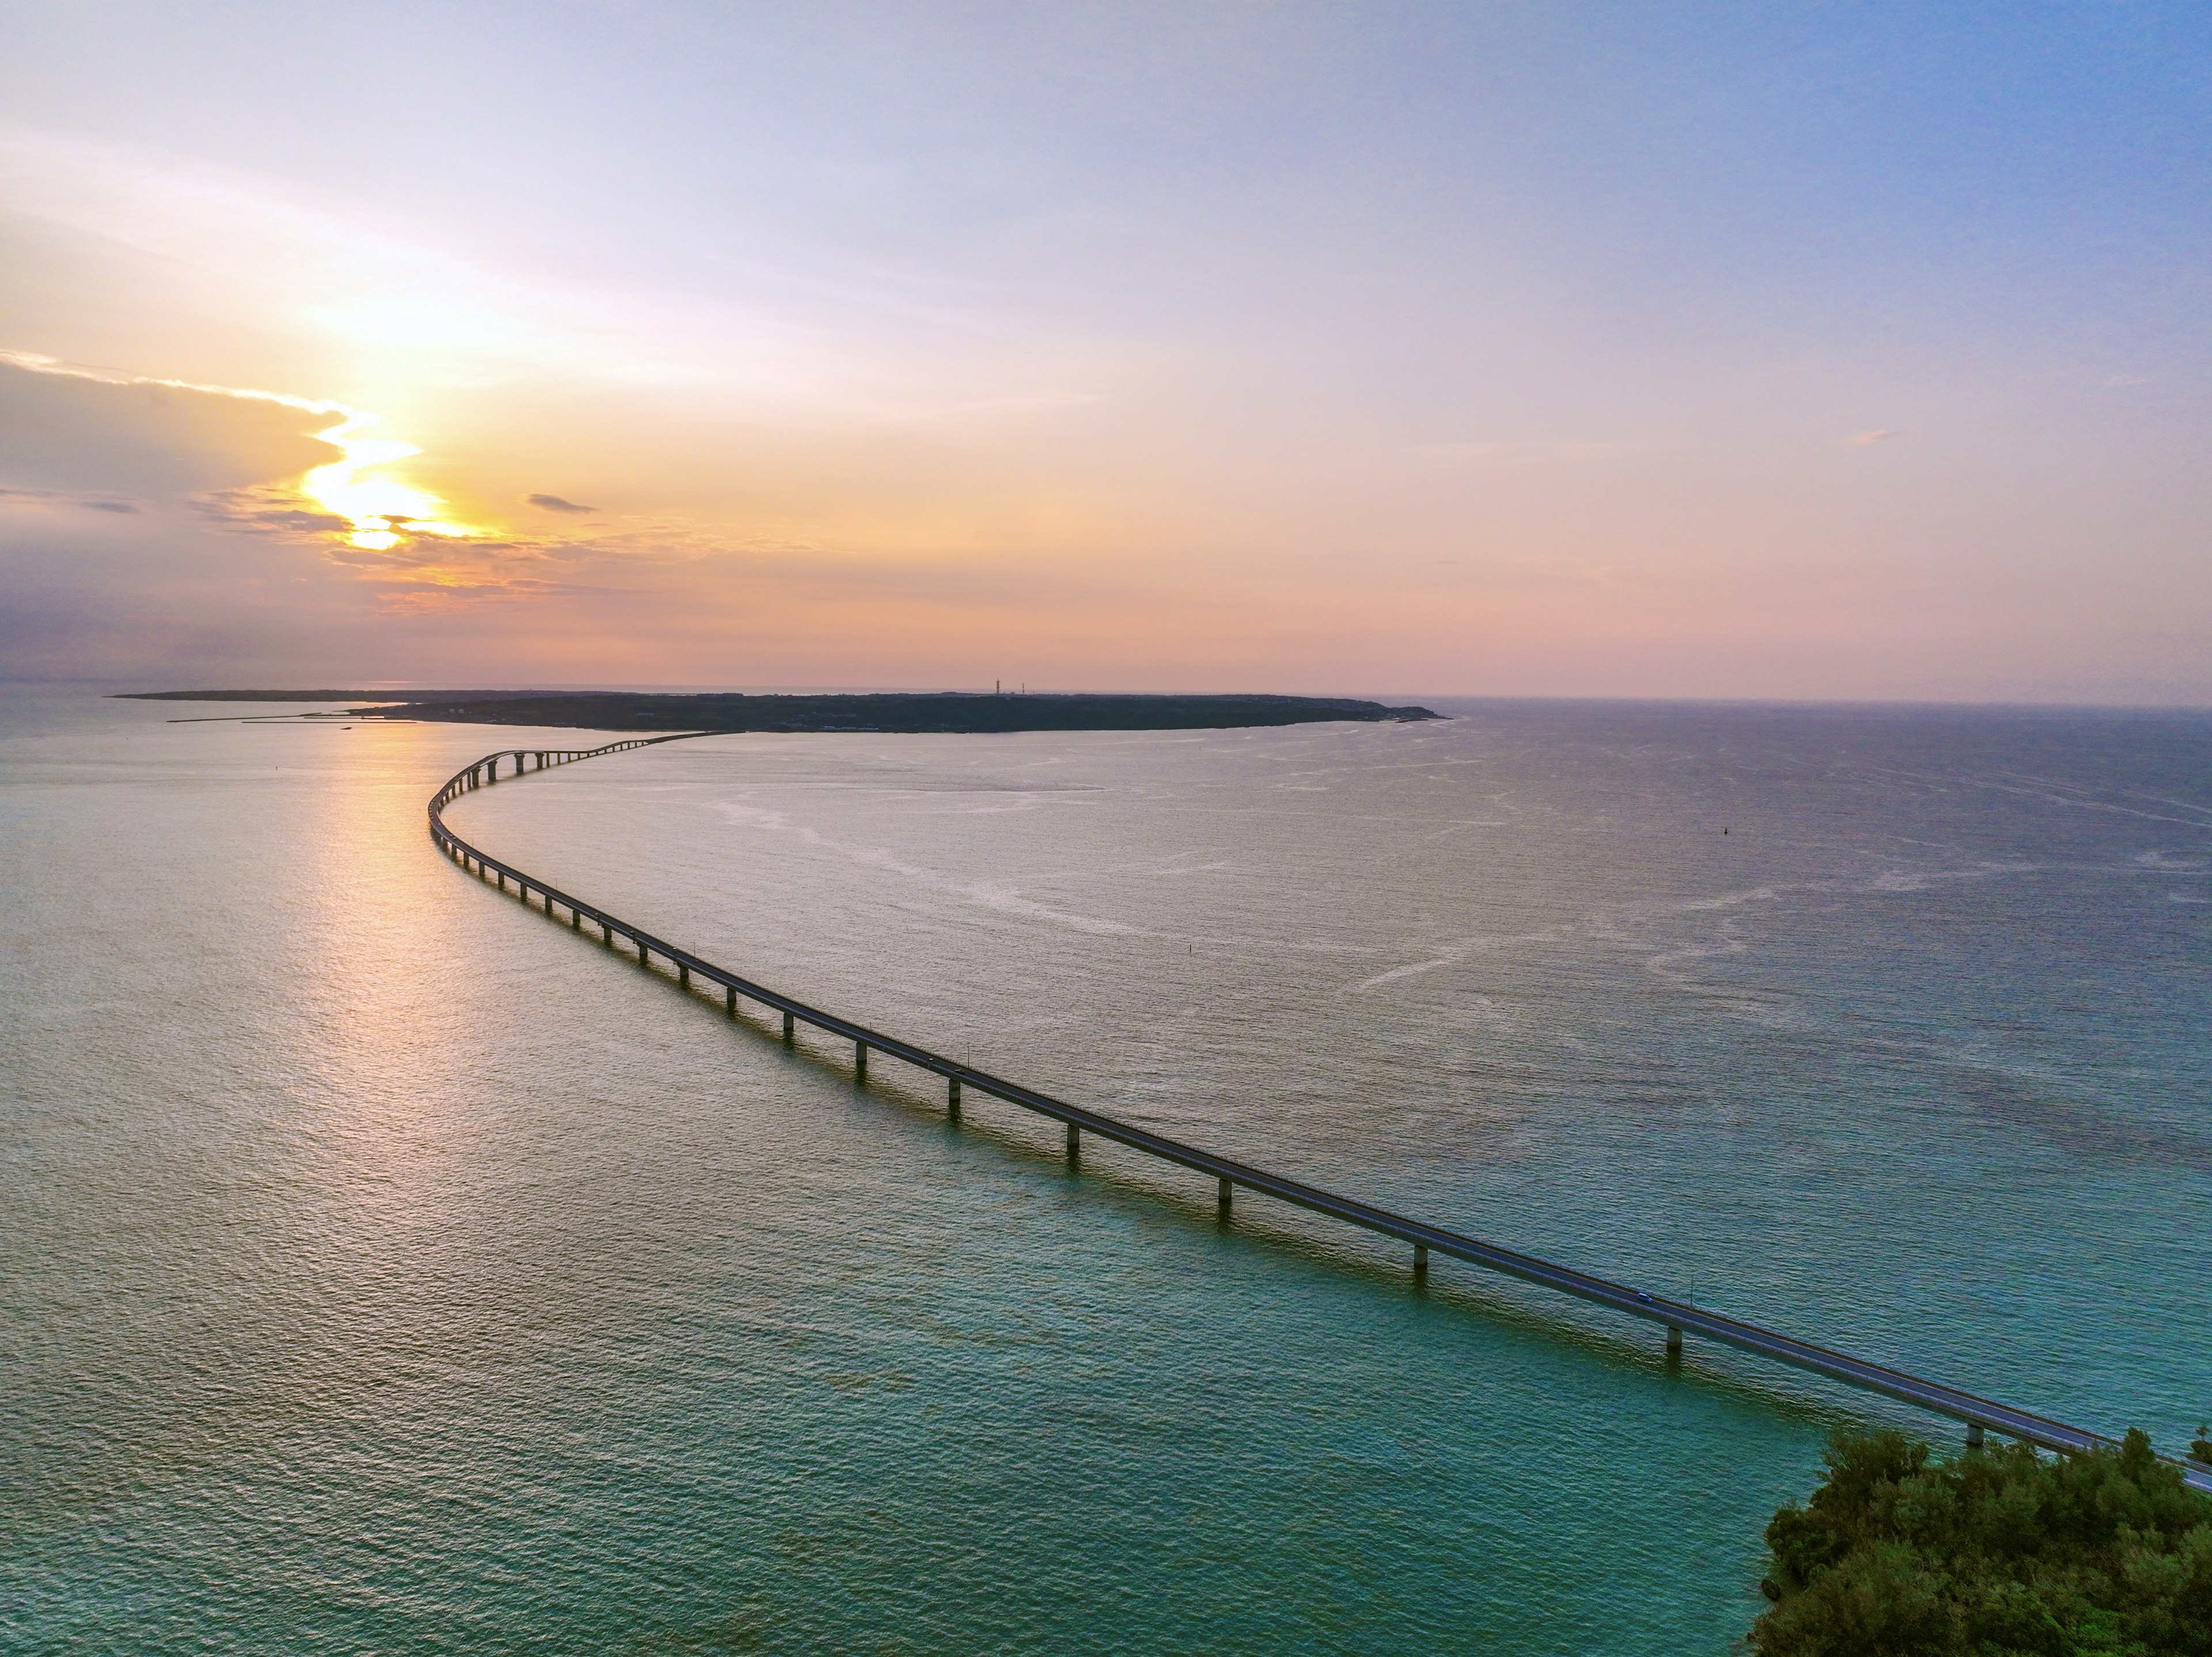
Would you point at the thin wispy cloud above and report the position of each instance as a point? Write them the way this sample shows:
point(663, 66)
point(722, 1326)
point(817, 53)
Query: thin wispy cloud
point(36, 498)
point(1538, 451)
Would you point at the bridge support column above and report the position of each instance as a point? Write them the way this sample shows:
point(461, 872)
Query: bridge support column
point(1224, 1197)
point(575, 919)
point(644, 956)
point(683, 975)
point(1974, 1435)
point(953, 1098)
point(1074, 1143)
point(729, 999)
point(1673, 1342)
point(860, 1061)
point(606, 935)
point(790, 1028)
point(1420, 1259)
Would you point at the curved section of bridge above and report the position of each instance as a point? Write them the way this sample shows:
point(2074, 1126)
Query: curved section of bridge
point(1678, 1318)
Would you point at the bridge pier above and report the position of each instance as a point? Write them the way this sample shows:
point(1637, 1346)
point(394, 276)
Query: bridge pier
point(860, 1061)
point(729, 999)
point(1938, 1399)
point(682, 977)
point(1224, 1197)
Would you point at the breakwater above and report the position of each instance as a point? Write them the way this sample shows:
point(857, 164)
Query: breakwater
point(1229, 1176)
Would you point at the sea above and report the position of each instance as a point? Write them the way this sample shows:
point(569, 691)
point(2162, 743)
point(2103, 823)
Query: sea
point(390, 1270)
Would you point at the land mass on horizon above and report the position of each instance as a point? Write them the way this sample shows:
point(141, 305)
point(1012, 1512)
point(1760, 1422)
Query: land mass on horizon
point(900, 711)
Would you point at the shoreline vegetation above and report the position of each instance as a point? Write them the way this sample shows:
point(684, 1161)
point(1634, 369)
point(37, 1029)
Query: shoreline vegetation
point(882, 711)
point(1992, 1553)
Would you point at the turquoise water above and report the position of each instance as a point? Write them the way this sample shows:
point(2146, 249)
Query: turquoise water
point(390, 1270)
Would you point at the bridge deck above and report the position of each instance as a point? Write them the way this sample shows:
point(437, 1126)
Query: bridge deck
point(1933, 1396)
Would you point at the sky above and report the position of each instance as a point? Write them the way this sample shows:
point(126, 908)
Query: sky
point(1792, 350)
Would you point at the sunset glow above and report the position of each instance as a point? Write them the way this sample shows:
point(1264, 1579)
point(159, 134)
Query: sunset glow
point(1623, 351)
point(382, 510)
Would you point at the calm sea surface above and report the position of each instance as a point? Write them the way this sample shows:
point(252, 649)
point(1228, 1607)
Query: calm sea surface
point(390, 1270)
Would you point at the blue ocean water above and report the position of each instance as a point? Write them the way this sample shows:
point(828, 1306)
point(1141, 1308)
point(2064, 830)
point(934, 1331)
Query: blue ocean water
point(390, 1270)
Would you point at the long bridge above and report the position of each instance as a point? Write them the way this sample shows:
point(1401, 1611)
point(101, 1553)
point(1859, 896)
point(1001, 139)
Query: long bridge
point(1677, 1318)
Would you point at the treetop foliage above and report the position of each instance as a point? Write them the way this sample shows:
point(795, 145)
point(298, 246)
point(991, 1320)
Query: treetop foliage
point(1995, 1553)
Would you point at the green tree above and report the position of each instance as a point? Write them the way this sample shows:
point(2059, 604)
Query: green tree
point(2002, 1553)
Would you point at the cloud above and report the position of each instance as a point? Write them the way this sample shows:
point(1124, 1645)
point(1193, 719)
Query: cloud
point(554, 503)
point(269, 509)
point(89, 434)
point(1881, 435)
point(1536, 452)
point(14, 497)
point(430, 312)
point(74, 423)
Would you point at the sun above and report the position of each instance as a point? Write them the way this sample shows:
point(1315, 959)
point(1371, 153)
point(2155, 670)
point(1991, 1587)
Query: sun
point(381, 511)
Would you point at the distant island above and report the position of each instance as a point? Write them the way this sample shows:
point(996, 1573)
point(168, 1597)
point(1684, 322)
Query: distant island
point(902, 711)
